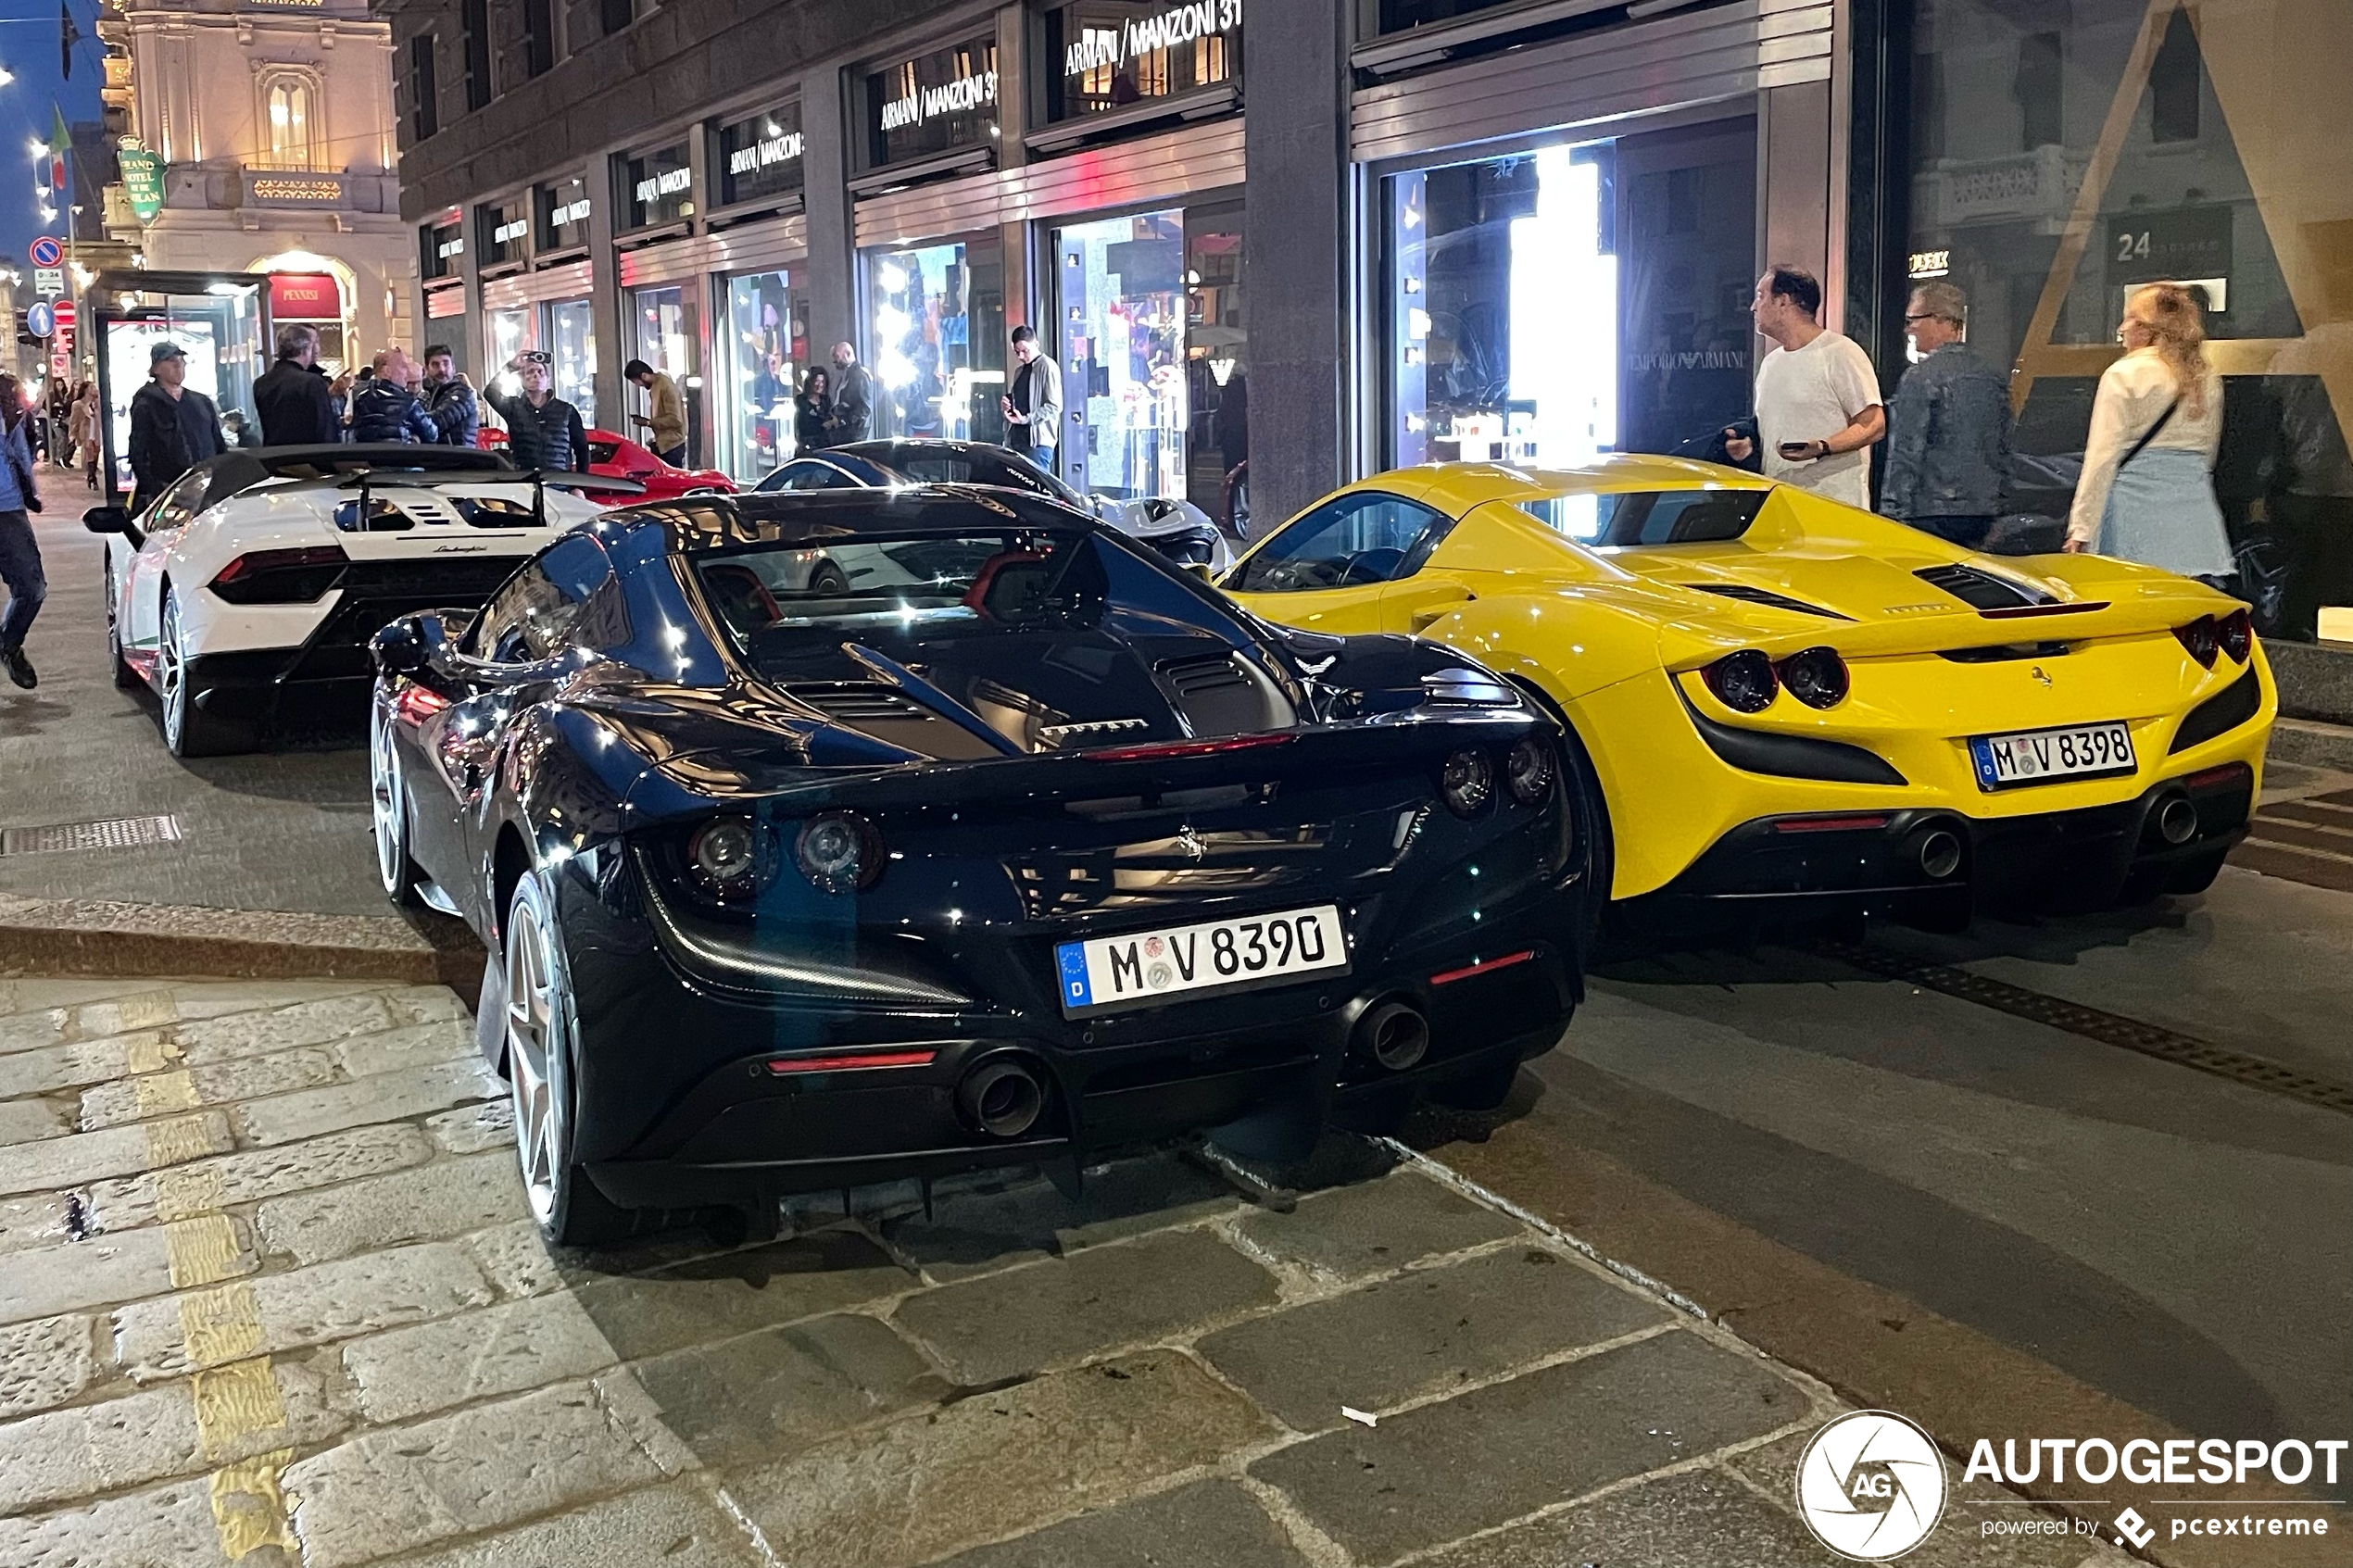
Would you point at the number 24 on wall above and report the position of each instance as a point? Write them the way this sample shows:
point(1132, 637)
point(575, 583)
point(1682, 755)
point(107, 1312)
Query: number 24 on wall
point(2133, 247)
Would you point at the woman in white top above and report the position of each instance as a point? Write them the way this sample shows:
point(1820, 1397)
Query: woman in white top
point(2148, 490)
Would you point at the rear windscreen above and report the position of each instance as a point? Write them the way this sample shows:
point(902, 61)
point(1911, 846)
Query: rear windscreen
point(1651, 517)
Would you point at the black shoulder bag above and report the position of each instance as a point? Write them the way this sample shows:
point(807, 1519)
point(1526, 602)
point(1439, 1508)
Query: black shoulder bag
point(2150, 435)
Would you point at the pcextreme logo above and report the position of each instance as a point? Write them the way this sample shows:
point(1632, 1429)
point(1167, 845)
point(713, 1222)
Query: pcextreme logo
point(1871, 1485)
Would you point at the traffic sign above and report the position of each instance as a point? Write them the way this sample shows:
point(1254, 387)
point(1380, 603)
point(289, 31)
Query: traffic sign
point(39, 320)
point(50, 280)
point(63, 311)
point(46, 252)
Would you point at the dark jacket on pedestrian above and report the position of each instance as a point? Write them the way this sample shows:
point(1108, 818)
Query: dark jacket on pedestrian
point(1948, 439)
point(455, 412)
point(169, 435)
point(383, 409)
point(853, 405)
point(295, 405)
point(812, 416)
point(549, 436)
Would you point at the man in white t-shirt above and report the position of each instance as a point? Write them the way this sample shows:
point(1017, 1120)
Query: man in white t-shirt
point(1818, 402)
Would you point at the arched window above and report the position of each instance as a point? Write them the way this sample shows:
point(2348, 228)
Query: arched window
point(291, 108)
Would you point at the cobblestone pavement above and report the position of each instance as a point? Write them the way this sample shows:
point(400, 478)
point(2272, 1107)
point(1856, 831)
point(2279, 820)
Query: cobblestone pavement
point(268, 1296)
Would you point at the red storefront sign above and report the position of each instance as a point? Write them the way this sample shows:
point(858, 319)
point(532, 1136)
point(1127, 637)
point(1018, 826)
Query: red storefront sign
point(305, 296)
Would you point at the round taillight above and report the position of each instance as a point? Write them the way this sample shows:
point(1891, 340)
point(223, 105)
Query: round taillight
point(1529, 770)
point(730, 856)
point(1467, 782)
point(1816, 677)
point(2201, 639)
point(2235, 631)
point(840, 852)
point(1742, 682)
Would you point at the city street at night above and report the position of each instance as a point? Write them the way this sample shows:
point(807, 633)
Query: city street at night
point(1086, 783)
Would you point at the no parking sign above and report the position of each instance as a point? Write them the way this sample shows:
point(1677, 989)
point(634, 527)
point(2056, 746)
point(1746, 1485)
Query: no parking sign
point(46, 252)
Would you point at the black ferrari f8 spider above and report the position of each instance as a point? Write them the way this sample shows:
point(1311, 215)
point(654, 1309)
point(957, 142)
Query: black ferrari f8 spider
point(863, 835)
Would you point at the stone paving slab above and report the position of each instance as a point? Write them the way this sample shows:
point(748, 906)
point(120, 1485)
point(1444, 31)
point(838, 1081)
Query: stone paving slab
point(31, 1221)
point(87, 1156)
point(145, 1097)
point(776, 1392)
point(149, 1435)
point(1046, 1314)
point(255, 1174)
point(379, 1097)
point(1704, 1519)
point(432, 1202)
point(49, 1280)
point(276, 1312)
point(675, 1525)
point(27, 1121)
point(978, 1231)
point(170, 1526)
point(44, 1364)
point(494, 1464)
point(718, 1297)
point(1431, 1474)
point(1208, 1523)
point(1425, 1333)
point(507, 1348)
point(1375, 1226)
point(984, 1467)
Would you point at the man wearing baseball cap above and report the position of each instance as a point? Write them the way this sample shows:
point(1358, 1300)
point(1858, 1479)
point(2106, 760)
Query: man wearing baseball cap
point(173, 426)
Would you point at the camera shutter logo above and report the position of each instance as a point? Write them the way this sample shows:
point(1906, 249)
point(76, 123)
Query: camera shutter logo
point(1871, 1486)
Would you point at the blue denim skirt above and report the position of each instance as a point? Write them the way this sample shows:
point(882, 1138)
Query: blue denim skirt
point(2161, 512)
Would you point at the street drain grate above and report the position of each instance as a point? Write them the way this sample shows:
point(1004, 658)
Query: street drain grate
point(118, 832)
point(2108, 1028)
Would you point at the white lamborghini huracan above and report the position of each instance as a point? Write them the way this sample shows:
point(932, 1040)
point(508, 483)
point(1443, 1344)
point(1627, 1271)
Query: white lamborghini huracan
point(258, 576)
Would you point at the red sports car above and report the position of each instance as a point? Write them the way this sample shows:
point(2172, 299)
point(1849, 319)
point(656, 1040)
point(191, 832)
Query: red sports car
point(616, 457)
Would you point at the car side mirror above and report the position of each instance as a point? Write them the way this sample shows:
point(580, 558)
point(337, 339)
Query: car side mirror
point(106, 519)
point(407, 645)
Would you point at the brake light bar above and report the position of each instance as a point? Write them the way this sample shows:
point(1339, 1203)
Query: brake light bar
point(2021, 612)
point(1166, 751)
point(2228, 772)
point(1483, 966)
point(1831, 824)
point(781, 1066)
point(297, 576)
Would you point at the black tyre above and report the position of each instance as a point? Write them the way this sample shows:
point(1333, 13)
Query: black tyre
point(541, 1029)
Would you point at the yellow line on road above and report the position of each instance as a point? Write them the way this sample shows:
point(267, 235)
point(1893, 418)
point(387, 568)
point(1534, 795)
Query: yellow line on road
point(150, 1052)
point(203, 1250)
point(248, 1509)
point(188, 1191)
point(160, 1094)
point(178, 1141)
point(221, 1326)
point(235, 1404)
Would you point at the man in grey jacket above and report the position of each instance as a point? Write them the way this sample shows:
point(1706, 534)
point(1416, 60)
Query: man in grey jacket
point(1948, 428)
point(1034, 404)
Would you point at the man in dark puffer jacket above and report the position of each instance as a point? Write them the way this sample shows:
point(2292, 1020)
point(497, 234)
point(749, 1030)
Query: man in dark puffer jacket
point(383, 408)
point(543, 431)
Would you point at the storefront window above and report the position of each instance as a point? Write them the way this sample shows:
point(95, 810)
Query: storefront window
point(1551, 306)
point(1105, 55)
point(656, 187)
point(763, 354)
point(572, 340)
point(1216, 363)
point(563, 215)
point(505, 232)
point(936, 321)
point(2138, 144)
point(760, 157)
point(1123, 316)
point(932, 104)
point(662, 332)
point(507, 334)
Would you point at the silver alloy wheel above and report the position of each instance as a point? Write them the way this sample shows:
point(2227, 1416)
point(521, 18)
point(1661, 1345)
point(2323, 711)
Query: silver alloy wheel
point(385, 806)
point(534, 1032)
point(171, 672)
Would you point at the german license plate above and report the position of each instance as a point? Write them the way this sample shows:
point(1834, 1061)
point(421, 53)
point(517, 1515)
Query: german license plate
point(1106, 973)
point(2034, 756)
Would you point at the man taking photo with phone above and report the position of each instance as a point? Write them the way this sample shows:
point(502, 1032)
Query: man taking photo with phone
point(1818, 402)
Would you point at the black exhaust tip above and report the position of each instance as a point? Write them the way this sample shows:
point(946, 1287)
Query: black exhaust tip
point(1001, 1099)
point(2177, 820)
point(1395, 1035)
point(1938, 853)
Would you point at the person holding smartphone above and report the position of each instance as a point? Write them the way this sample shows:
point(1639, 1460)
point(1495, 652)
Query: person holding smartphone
point(543, 431)
point(1818, 402)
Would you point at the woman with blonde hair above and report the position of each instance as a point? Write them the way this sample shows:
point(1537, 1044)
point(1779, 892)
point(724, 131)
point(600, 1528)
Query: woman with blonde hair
point(2148, 490)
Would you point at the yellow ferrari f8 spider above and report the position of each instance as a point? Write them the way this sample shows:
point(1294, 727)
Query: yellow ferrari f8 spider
point(1787, 707)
